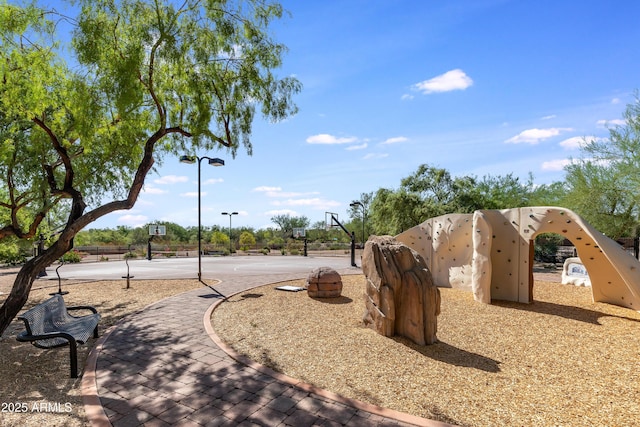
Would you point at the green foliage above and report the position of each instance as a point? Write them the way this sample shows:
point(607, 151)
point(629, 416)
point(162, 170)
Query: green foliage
point(431, 192)
point(71, 257)
point(546, 247)
point(10, 253)
point(149, 79)
point(247, 240)
point(287, 223)
point(604, 185)
point(358, 212)
point(219, 238)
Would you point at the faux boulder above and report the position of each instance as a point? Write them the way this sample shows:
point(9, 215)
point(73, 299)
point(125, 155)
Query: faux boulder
point(400, 297)
point(324, 282)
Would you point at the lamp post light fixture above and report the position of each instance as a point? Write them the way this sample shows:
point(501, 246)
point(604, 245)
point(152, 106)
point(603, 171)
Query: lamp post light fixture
point(356, 203)
point(212, 162)
point(230, 215)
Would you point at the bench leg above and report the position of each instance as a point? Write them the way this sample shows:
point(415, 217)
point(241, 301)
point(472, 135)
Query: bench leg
point(73, 358)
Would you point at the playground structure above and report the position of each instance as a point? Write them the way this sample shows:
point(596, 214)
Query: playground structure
point(490, 253)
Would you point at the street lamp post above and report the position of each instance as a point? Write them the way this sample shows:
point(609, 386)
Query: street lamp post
point(212, 162)
point(356, 203)
point(230, 215)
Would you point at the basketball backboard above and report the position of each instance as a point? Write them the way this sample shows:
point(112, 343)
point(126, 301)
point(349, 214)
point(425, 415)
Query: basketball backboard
point(157, 230)
point(298, 233)
point(329, 223)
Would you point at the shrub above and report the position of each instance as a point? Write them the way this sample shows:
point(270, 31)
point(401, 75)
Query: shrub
point(71, 257)
point(10, 254)
point(546, 247)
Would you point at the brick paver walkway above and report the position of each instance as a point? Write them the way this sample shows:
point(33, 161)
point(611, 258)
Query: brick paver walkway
point(161, 367)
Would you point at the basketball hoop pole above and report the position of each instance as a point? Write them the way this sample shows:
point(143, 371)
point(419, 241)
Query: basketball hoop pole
point(353, 239)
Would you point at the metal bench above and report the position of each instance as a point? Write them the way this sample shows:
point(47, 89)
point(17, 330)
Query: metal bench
point(49, 325)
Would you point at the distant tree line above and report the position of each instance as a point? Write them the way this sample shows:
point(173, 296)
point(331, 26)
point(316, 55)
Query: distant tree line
point(215, 237)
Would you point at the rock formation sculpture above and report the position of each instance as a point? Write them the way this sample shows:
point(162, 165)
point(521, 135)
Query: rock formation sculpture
point(400, 297)
point(324, 282)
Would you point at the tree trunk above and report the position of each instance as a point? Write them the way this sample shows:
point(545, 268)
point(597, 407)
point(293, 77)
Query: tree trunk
point(24, 280)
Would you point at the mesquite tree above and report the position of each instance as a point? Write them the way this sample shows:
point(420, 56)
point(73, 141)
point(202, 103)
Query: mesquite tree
point(90, 102)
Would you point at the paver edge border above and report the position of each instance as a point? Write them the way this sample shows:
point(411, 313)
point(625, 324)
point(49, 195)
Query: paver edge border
point(94, 411)
point(357, 404)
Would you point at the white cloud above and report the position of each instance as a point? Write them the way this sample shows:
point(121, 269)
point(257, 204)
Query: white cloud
point(534, 136)
point(406, 97)
point(449, 81)
point(213, 181)
point(549, 117)
point(149, 189)
point(615, 101)
point(357, 147)
point(193, 194)
point(555, 165)
point(133, 220)
point(572, 143)
point(395, 140)
point(615, 122)
point(375, 156)
point(578, 142)
point(171, 179)
point(325, 138)
point(267, 189)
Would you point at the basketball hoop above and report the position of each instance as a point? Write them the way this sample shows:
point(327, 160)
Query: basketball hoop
point(329, 220)
point(157, 230)
point(299, 233)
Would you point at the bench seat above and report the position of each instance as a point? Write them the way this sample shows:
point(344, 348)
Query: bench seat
point(49, 325)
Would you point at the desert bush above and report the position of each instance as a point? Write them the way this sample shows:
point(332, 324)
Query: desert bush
point(10, 254)
point(71, 257)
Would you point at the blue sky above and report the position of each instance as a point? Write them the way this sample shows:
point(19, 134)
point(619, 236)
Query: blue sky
point(478, 87)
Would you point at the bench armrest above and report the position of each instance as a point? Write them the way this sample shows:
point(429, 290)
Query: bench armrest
point(83, 307)
point(25, 336)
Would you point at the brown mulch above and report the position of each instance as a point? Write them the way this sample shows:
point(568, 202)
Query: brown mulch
point(36, 390)
point(561, 361)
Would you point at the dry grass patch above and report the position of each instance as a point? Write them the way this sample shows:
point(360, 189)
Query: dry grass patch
point(563, 360)
point(38, 380)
